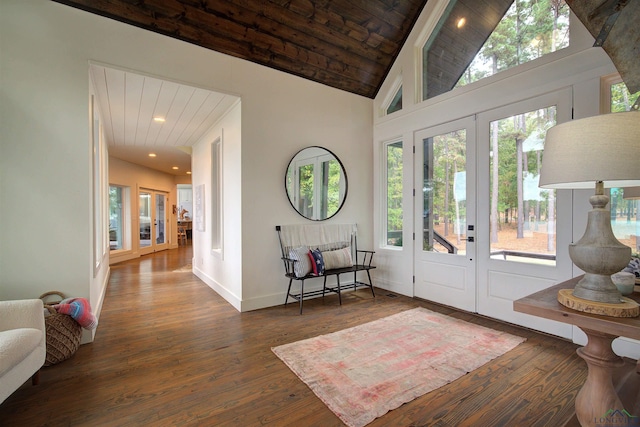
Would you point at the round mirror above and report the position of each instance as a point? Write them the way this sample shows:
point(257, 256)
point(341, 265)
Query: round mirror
point(316, 183)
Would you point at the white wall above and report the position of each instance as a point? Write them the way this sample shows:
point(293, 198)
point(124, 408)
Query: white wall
point(45, 159)
point(222, 271)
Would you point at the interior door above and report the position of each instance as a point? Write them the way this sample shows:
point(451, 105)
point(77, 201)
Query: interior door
point(445, 214)
point(152, 221)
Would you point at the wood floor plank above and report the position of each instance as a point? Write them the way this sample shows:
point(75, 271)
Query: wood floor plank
point(170, 351)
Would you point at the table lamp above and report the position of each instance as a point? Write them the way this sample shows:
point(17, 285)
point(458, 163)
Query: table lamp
point(601, 151)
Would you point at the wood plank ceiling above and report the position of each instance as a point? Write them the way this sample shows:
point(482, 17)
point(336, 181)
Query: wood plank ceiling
point(346, 44)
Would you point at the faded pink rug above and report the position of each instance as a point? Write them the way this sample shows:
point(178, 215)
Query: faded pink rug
point(361, 373)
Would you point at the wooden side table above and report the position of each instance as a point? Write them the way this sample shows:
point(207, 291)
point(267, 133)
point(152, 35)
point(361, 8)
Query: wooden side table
point(598, 396)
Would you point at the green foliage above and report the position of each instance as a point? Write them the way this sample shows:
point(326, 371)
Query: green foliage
point(621, 98)
point(394, 192)
point(530, 29)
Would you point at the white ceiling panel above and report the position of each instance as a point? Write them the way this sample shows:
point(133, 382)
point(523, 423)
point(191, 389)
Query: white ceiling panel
point(128, 103)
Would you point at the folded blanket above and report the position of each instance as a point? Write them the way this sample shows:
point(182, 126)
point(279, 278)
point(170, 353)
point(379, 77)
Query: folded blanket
point(80, 310)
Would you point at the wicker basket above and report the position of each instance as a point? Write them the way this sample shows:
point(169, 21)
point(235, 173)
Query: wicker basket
point(63, 332)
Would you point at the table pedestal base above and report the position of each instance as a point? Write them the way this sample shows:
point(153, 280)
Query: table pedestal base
point(597, 402)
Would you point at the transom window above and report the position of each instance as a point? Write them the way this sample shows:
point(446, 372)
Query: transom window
point(469, 45)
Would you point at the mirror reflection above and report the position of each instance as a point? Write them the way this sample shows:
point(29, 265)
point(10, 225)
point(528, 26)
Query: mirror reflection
point(316, 183)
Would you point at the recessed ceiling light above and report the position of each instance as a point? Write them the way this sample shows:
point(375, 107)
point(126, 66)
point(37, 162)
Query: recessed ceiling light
point(152, 154)
point(159, 119)
point(175, 168)
point(188, 172)
point(461, 22)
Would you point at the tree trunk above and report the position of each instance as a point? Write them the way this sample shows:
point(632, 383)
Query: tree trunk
point(519, 175)
point(494, 183)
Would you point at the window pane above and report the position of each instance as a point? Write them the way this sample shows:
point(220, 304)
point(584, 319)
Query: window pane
point(454, 55)
point(445, 193)
point(394, 194)
point(621, 99)
point(115, 218)
point(522, 217)
point(625, 222)
point(396, 103)
point(624, 219)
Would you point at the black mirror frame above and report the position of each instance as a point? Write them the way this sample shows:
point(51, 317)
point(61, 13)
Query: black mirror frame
point(344, 174)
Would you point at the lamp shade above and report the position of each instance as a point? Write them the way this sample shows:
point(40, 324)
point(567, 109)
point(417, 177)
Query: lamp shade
point(631, 193)
point(600, 148)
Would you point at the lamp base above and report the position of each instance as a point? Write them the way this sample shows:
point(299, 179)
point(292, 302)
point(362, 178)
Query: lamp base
point(599, 254)
point(597, 287)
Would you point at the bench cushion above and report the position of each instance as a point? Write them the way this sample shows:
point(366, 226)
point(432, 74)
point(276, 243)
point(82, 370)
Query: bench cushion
point(16, 345)
point(302, 266)
point(340, 258)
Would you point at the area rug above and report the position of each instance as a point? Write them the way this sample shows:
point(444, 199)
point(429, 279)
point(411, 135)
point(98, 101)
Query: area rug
point(363, 372)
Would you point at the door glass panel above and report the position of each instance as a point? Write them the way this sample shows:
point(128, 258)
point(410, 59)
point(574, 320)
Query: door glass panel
point(445, 193)
point(145, 219)
point(522, 215)
point(160, 223)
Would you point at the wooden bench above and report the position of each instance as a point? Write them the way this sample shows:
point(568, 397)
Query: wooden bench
point(328, 239)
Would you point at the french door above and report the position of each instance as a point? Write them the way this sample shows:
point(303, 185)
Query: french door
point(445, 214)
point(523, 231)
point(485, 234)
point(153, 221)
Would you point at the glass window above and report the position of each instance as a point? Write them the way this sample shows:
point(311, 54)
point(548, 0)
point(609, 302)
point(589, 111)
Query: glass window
point(216, 195)
point(455, 56)
point(394, 194)
point(625, 222)
point(621, 98)
point(116, 218)
point(523, 216)
point(396, 102)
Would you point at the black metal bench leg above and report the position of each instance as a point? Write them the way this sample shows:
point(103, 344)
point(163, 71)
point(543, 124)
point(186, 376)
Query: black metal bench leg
point(286, 298)
point(339, 294)
point(324, 286)
point(371, 284)
point(301, 294)
point(355, 280)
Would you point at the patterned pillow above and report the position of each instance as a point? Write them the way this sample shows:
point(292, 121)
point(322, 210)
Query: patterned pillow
point(337, 259)
point(302, 266)
point(317, 263)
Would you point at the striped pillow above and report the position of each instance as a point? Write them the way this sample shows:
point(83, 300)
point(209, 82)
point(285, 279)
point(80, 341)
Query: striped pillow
point(337, 259)
point(302, 266)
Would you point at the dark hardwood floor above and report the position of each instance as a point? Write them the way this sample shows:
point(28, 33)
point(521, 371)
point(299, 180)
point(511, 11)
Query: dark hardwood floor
point(170, 351)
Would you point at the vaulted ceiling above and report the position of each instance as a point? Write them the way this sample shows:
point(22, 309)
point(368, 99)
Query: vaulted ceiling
point(346, 44)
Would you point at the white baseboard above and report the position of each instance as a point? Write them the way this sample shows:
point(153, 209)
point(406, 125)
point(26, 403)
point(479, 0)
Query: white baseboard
point(221, 290)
